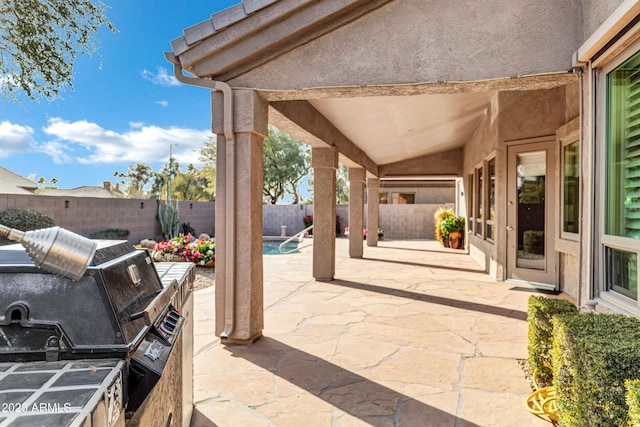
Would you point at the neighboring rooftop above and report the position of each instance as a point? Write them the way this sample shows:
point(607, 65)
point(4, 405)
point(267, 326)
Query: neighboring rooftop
point(12, 183)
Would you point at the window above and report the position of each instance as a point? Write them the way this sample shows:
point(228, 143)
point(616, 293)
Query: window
point(479, 201)
point(623, 150)
point(621, 199)
point(571, 187)
point(383, 198)
point(402, 198)
point(471, 208)
point(490, 234)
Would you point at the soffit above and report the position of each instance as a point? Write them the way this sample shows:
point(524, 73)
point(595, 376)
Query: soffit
point(395, 128)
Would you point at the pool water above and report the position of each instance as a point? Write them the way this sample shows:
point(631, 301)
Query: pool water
point(272, 247)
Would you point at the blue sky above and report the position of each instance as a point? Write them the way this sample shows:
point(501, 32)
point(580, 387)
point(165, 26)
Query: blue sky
point(126, 107)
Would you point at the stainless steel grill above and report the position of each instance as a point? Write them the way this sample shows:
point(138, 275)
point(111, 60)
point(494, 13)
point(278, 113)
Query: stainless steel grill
point(121, 317)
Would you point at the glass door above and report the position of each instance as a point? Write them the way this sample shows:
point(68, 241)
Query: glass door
point(531, 257)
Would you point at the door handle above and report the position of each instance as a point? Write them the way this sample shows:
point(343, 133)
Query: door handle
point(509, 228)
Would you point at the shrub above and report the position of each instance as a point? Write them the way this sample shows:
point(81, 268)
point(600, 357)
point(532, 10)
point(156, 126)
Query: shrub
point(451, 224)
point(593, 356)
point(307, 220)
point(440, 215)
point(24, 220)
point(633, 401)
point(110, 234)
point(188, 229)
point(533, 242)
point(540, 311)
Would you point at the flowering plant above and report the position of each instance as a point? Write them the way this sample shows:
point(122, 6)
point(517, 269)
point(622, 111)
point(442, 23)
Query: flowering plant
point(165, 250)
point(200, 251)
point(451, 224)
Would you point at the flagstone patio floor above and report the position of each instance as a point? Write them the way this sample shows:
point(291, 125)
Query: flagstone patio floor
point(412, 334)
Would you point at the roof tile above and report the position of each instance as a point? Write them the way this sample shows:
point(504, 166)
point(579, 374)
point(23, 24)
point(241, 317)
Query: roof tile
point(228, 16)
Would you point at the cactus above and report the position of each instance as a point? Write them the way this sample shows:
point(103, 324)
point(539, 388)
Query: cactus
point(169, 220)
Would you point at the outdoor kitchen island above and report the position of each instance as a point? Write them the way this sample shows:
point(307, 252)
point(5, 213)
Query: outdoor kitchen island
point(112, 348)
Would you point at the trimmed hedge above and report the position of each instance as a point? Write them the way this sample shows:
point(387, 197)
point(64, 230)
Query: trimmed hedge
point(593, 356)
point(110, 234)
point(24, 220)
point(633, 401)
point(540, 311)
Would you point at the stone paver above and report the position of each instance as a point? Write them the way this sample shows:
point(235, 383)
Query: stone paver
point(410, 335)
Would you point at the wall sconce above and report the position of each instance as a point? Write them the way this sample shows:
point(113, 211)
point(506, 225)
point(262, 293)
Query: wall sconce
point(190, 205)
point(66, 204)
point(141, 205)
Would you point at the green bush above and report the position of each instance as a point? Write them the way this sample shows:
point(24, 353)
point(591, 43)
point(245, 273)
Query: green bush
point(633, 401)
point(593, 356)
point(533, 242)
point(24, 220)
point(110, 234)
point(540, 311)
point(188, 229)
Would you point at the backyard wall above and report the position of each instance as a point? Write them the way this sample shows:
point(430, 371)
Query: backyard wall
point(397, 221)
point(86, 215)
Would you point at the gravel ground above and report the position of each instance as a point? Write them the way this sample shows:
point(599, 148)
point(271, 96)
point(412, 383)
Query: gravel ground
point(205, 277)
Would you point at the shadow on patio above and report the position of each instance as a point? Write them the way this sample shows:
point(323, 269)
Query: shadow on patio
point(381, 346)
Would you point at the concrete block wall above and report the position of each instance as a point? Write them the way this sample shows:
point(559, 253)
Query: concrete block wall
point(397, 221)
point(409, 221)
point(86, 215)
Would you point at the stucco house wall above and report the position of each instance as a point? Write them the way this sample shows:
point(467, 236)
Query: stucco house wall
point(440, 40)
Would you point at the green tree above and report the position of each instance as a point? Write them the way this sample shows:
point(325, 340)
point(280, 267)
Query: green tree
point(137, 178)
point(39, 42)
point(286, 162)
point(342, 186)
point(191, 185)
point(208, 155)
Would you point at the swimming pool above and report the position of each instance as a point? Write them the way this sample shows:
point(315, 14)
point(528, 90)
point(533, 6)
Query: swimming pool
point(272, 247)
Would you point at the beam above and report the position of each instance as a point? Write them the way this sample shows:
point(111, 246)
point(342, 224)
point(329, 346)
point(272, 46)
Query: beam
point(301, 120)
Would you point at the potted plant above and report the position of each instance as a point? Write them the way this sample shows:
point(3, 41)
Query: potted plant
point(453, 230)
point(440, 215)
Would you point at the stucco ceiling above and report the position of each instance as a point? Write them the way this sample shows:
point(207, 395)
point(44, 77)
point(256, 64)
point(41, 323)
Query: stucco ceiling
point(395, 128)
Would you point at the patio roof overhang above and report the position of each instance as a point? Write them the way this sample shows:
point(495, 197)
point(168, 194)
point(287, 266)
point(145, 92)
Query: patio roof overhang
point(332, 79)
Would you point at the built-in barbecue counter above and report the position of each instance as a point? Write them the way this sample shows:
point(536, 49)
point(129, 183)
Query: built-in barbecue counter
point(112, 347)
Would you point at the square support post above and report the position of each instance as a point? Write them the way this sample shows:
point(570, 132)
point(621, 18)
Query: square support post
point(356, 211)
point(325, 163)
point(373, 210)
point(239, 217)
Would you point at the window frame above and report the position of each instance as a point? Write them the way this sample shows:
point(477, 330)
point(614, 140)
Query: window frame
point(479, 200)
point(490, 207)
point(480, 191)
point(610, 242)
point(564, 143)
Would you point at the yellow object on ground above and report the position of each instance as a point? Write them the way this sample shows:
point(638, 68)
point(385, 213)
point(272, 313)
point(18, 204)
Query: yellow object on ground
point(543, 400)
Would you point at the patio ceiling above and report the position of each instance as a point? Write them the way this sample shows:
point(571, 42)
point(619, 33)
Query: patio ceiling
point(390, 129)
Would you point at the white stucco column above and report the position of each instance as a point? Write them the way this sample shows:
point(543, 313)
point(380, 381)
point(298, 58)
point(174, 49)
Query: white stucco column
point(373, 210)
point(239, 255)
point(356, 211)
point(324, 162)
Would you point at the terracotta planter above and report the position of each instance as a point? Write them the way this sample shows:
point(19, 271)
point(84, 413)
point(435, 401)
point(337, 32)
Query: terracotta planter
point(456, 239)
point(210, 264)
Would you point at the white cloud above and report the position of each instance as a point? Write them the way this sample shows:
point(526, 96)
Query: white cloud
point(161, 78)
point(15, 139)
point(136, 124)
point(163, 103)
point(57, 151)
point(140, 144)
